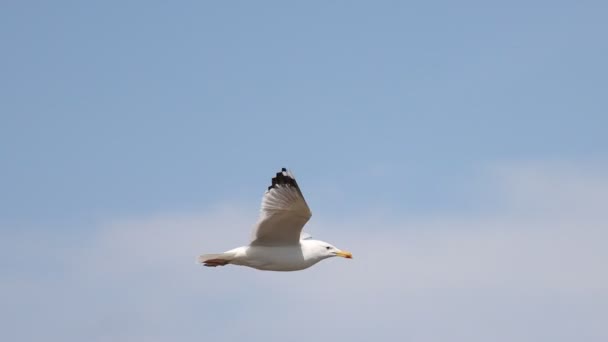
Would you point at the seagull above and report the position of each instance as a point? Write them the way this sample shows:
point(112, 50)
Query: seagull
point(277, 242)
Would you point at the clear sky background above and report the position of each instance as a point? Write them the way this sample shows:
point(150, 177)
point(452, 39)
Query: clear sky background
point(458, 149)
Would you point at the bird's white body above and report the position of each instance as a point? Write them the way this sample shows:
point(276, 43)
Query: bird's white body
point(279, 258)
point(277, 243)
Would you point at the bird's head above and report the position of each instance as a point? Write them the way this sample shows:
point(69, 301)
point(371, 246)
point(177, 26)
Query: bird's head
point(327, 250)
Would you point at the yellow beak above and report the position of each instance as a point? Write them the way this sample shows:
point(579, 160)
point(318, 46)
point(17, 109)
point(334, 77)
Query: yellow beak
point(344, 254)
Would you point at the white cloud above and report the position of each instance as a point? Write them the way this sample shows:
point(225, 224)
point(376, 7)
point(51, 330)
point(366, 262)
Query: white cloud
point(533, 270)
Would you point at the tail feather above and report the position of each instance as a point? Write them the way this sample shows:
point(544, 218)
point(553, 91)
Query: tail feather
point(213, 260)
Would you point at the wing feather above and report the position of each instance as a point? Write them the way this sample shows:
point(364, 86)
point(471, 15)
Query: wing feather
point(284, 212)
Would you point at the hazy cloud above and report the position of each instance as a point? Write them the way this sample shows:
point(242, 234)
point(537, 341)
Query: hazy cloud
point(532, 270)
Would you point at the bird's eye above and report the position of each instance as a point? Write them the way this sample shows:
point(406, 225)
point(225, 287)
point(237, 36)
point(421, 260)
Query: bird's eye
point(328, 248)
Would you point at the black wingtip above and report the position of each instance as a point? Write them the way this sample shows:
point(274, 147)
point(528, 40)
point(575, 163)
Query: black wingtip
point(283, 178)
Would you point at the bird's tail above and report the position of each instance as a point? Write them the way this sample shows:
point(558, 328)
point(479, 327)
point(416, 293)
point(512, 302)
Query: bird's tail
point(213, 260)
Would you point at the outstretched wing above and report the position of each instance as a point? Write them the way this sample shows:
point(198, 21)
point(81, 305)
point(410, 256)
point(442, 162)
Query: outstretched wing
point(283, 214)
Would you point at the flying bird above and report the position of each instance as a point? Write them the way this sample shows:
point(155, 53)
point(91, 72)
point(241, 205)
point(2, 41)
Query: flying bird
point(277, 242)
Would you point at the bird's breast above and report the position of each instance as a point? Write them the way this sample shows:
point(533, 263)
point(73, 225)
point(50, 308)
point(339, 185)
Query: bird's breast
point(279, 258)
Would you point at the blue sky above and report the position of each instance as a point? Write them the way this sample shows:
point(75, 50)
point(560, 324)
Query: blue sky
point(123, 118)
